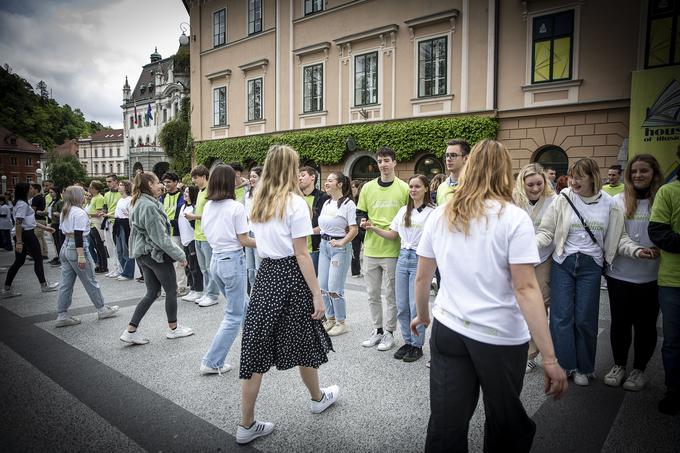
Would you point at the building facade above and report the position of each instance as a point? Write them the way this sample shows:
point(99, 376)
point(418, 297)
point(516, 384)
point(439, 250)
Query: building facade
point(155, 100)
point(20, 161)
point(103, 153)
point(553, 72)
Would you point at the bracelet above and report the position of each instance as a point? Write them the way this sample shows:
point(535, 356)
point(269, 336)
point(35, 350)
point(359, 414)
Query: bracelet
point(554, 362)
point(20, 243)
point(81, 257)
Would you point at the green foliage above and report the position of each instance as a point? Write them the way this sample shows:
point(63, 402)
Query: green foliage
point(65, 170)
point(35, 116)
point(175, 138)
point(329, 145)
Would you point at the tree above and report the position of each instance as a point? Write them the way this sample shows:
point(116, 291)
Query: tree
point(65, 170)
point(42, 87)
point(175, 138)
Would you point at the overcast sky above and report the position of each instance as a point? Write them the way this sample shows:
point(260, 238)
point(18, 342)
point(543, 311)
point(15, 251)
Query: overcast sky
point(83, 49)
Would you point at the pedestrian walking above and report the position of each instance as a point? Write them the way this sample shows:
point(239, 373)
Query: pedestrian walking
point(76, 261)
point(226, 228)
point(407, 226)
point(173, 200)
point(151, 246)
point(534, 194)
point(485, 249)
point(26, 243)
point(632, 284)
point(6, 224)
point(379, 202)
point(283, 325)
point(315, 198)
point(39, 205)
point(96, 210)
point(358, 240)
point(54, 208)
point(338, 226)
point(111, 199)
point(253, 260)
point(121, 232)
point(186, 232)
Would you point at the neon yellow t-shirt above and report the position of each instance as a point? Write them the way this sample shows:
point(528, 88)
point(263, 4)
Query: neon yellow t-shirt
point(111, 199)
point(96, 203)
point(613, 190)
point(240, 194)
point(201, 200)
point(382, 204)
point(444, 189)
point(666, 209)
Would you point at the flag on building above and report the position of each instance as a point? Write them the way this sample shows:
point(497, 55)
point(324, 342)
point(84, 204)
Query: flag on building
point(149, 116)
point(135, 113)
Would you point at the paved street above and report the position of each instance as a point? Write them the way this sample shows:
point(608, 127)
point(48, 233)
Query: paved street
point(81, 389)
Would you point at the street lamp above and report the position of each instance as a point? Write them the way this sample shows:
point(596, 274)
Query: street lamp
point(4, 184)
point(39, 172)
point(184, 39)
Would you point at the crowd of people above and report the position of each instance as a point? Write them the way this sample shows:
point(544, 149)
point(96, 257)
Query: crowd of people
point(518, 262)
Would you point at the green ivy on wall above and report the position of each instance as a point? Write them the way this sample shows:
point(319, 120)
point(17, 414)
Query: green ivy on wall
point(329, 145)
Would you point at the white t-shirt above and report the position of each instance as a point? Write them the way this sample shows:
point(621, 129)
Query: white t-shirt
point(23, 210)
point(334, 221)
point(76, 220)
point(630, 269)
point(123, 208)
point(222, 221)
point(275, 237)
point(5, 220)
point(410, 237)
point(476, 298)
point(186, 231)
point(543, 252)
point(596, 216)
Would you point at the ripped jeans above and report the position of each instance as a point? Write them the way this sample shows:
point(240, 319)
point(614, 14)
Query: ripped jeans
point(333, 266)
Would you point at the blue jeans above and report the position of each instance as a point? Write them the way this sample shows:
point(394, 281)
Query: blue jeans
point(204, 256)
point(253, 261)
point(70, 270)
point(669, 299)
point(574, 311)
point(315, 260)
point(228, 270)
point(127, 264)
point(333, 266)
point(405, 293)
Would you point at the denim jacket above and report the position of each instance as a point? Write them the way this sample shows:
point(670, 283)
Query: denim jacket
point(150, 231)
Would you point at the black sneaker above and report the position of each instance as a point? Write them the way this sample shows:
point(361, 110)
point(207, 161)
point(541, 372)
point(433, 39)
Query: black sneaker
point(140, 279)
point(670, 404)
point(401, 352)
point(56, 263)
point(414, 354)
point(100, 271)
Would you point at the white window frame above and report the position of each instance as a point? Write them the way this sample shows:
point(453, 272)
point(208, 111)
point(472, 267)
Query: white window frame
point(226, 105)
point(416, 65)
point(261, 19)
point(323, 89)
point(305, 14)
point(352, 100)
point(213, 27)
point(262, 116)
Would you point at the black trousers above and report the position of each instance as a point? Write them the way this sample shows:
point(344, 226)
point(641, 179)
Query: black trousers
point(58, 237)
point(356, 252)
point(101, 259)
point(194, 274)
point(459, 367)
point(156, 276)
point(634, 308)
point(31, 247)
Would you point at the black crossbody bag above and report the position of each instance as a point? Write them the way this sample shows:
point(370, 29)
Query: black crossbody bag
point(590, 233)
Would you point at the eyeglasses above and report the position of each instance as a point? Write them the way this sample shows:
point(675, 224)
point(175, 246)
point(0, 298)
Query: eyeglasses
point(452, 155)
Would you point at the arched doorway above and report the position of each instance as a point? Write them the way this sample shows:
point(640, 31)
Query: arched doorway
point(161, 168)
point(136, 168)
point(429, 166)
point(364, 169)
point(553, 157)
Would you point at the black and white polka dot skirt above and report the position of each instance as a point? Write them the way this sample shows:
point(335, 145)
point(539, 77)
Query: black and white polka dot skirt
point(279, 329)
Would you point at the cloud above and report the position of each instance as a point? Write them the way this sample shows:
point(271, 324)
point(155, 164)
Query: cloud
point(84, 49)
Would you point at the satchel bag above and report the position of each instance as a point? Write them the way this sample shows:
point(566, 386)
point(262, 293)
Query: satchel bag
point(590, 233)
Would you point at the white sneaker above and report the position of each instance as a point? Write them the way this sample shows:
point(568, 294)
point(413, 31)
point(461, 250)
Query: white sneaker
point(581, 379)
point(200, 299)
point(109, 274)
point(636, 381)
point(373, 340)
point(192, 296)
point(107, 312)
point(113, 274)
point(68, 321)
point(338, 329)
point(207, 301)
point(179, 332)
point(49, 287)
point(257, 429)
point(387, 342)
point(122, 278)
point(328, 324)
point(329, 395)
point(208, 370)
point(7, 293)
point(133, 337)
point(531, 364)
point(615, 376)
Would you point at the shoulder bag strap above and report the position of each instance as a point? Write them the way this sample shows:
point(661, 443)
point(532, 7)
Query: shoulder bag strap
point(580, 217)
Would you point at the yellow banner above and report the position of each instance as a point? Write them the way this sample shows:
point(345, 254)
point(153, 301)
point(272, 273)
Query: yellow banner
point(655, 116)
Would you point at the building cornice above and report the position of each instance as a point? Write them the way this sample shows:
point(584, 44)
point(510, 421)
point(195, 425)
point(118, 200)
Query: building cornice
point(328, 11)
point(368, 34)
point(450, 15)
point(237, 42)
point(258, 64)
point(225, 73)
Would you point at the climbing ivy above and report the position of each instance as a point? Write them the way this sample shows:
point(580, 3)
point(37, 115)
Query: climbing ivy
point(329, 145)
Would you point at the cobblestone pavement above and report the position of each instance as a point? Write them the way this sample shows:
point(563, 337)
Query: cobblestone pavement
point(81, 389)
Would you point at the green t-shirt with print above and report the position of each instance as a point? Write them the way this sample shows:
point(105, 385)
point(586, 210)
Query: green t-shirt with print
point(613, 190)
point(666, 209)
point(309, 199)
point(201, 200)
point(97, 202)
point(381, 204)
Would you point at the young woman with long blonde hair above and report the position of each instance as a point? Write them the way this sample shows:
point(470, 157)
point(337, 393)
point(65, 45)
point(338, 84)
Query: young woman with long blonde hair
point(485, 249)
point(533, 193)
point(283, 325)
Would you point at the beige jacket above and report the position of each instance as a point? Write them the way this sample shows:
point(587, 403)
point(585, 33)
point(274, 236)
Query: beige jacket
point(557, 219)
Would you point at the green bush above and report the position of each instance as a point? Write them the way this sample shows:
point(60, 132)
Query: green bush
point(329, 145)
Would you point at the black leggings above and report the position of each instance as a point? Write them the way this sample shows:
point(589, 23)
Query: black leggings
point(58, 238)
point(156, 275)
point(634, 308)
point(31, 247)
point(194, 274)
